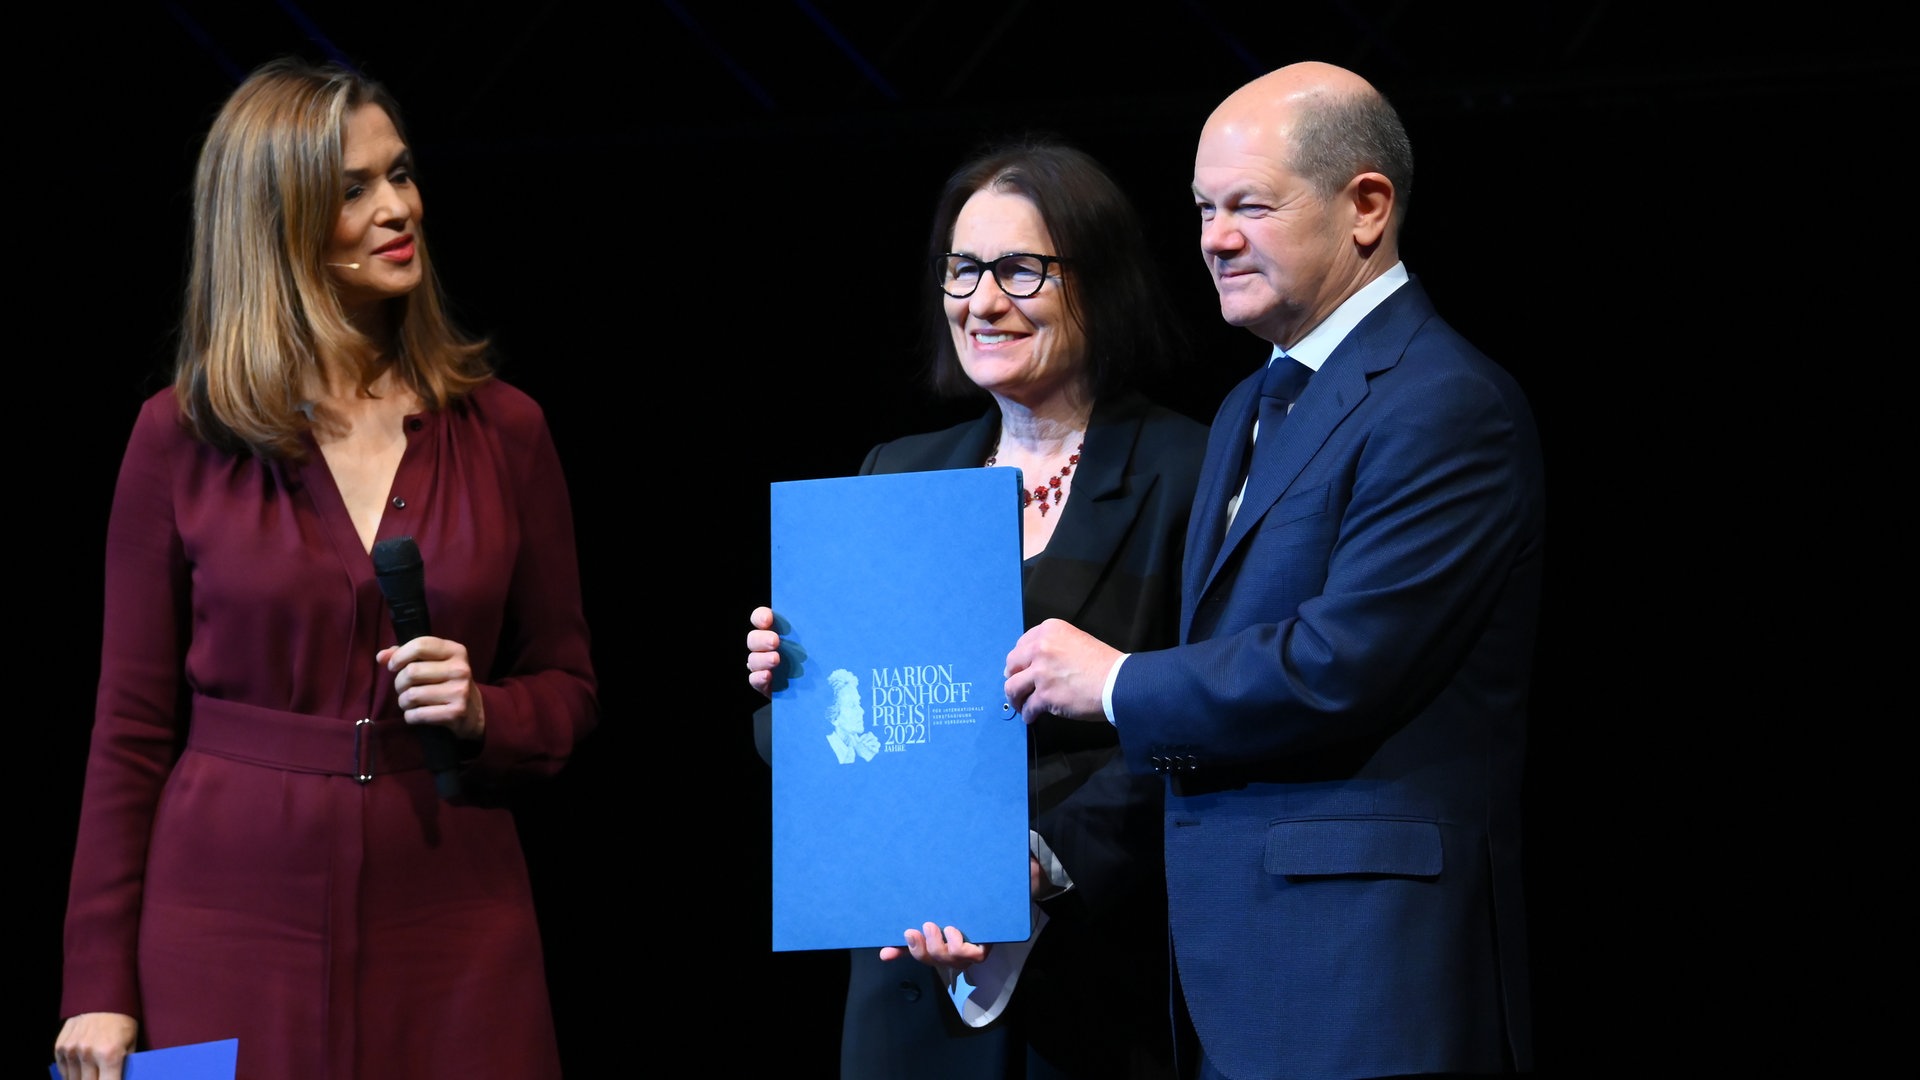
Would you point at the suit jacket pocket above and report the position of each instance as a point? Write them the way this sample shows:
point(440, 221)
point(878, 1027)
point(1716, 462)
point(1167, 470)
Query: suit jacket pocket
point(1342, 847)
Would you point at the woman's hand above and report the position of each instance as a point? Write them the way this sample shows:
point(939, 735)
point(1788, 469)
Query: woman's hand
point(94, 1046)
point(950, 948)
point(763, 650)
point(434, 685)
point(934, 947)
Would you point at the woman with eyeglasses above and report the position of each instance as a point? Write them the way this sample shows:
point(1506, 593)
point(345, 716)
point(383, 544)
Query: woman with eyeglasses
point(343, 619)
point(1046, 305)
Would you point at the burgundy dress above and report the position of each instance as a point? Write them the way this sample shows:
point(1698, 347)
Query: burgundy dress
point(234, 876)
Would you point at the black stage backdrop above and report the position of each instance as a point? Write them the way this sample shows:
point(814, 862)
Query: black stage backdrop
point(694, 232)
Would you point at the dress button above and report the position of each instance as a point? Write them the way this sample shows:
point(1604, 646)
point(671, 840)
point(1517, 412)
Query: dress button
point(399, 503)
point(415, 424)
point(909, 992)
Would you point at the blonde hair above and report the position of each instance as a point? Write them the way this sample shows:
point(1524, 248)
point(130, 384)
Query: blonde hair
point(260, 309)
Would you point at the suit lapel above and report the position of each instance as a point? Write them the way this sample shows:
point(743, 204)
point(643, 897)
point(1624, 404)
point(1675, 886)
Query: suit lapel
point(1102, 508)
point(1226, 452)
point(1098, 516)
point(1280, 456)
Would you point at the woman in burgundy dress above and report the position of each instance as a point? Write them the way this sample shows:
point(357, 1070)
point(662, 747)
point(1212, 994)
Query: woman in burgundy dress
point(264, 852)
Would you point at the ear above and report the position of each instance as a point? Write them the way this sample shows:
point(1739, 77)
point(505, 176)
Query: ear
point(1372, 195)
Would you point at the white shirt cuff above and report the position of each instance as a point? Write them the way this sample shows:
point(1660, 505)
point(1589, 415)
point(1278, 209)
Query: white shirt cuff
point(1106, 692)
point(982, 991)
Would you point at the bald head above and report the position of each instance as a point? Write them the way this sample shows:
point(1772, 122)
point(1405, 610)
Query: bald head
point(1272, 100)
point(1301, 178)
point(1322, 122)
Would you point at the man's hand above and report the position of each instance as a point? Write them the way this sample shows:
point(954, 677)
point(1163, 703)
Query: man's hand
point(1057, 669)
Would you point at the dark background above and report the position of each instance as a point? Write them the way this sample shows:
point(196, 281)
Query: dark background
point(1628, 205)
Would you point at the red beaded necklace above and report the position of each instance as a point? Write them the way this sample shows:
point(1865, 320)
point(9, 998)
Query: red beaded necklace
point(1051, 487)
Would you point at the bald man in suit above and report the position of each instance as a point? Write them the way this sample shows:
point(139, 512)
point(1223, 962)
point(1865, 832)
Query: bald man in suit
point(1342, 726)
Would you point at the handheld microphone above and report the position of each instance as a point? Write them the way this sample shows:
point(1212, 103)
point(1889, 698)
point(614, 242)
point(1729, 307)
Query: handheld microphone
point(396, 562)
point(350, 266)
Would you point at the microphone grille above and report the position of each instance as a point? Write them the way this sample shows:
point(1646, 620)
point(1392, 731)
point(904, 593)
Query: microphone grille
point(396, 555)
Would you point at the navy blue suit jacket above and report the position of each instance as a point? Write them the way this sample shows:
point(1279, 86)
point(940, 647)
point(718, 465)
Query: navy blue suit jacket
point(1344, 727)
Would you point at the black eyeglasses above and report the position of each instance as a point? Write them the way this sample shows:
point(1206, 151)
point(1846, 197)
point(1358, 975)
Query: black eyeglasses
point(1020, 274)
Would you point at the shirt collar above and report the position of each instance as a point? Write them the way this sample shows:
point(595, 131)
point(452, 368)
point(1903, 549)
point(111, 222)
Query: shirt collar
point(1320, 341)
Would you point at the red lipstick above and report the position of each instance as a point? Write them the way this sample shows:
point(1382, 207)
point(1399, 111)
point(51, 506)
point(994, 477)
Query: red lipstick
point(399, 249)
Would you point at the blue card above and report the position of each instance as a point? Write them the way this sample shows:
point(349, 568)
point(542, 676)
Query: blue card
point(199, 1061)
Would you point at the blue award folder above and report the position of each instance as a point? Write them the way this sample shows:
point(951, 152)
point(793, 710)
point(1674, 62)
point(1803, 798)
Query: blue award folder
point(899, 771)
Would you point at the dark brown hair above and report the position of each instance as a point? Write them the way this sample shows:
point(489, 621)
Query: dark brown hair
point(1113, 284)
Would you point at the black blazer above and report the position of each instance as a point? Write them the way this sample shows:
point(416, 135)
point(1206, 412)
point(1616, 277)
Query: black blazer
point(1092, 998)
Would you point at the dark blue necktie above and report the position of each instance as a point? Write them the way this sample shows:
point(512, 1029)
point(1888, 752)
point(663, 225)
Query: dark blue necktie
point(1282, 382)
point(1280, 386)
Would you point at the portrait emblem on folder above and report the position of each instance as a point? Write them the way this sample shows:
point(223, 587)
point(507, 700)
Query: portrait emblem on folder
point(850, 738)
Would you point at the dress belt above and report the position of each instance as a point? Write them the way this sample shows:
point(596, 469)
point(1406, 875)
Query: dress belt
point(303, 742)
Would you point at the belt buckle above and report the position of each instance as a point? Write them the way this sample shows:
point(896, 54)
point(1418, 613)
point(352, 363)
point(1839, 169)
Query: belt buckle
point(363, 750)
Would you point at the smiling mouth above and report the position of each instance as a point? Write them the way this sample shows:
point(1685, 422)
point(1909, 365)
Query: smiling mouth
point(402, 246)
point(987, 339)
